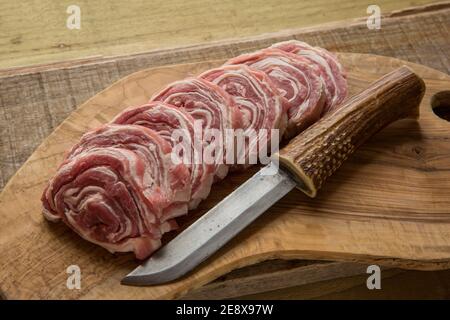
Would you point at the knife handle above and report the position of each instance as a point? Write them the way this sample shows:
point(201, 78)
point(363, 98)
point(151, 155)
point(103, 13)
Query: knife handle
point(315, 154)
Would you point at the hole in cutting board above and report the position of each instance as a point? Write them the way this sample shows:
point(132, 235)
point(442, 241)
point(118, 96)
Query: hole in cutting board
point(440, 103)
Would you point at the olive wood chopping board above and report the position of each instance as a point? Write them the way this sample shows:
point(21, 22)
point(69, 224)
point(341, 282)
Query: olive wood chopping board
point(388, 204)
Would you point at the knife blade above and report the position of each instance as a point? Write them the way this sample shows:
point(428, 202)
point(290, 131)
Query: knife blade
point(215, 228)
point(306, 163)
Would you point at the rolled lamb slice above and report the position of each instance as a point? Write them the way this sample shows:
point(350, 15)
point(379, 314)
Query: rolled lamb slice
point(298, 82)
point(117, 188)
point(261, 104)
point(174, 124)
point(172, 179)
point(213, 110)
point(331, 71)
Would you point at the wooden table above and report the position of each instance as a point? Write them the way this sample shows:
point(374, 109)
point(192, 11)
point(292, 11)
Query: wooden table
point(34, 100)
point(35, 32)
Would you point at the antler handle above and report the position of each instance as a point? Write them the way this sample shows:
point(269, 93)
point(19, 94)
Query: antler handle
point(315, 154)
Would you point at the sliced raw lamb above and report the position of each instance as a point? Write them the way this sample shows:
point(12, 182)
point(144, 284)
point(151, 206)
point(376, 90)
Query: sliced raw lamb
point(332, 72)
point(260, 102)
point(119, 189)
point(298, 81)
point(171, 179)
point(120, 186)
point(215, 111)
point(173, 124)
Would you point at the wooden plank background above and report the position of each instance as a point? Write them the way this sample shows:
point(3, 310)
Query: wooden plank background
point(395, 284)
point(35, 31)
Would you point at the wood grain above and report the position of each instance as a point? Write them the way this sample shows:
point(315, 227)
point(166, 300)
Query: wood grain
point(274, 275)
point(388, 204)
point(35, 31)
point(395, 284)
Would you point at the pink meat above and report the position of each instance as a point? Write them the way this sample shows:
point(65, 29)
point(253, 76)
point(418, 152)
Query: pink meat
point(166, 119)
point(213, 108)
point(331, 71)
point(259, 101)
point(119, 189)
point(123, 185)
point(298, 82)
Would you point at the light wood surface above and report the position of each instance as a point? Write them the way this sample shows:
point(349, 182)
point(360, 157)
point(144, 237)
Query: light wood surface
point(388, 204)
point(35, 32)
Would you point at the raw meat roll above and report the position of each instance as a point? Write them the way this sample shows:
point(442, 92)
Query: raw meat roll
point(171, 123)
point(331, 71)
point(213, 108)
point(260, 103)
point(119, 189)
point(298, 82)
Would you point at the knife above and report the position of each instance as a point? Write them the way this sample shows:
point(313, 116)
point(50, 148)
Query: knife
point(306, 163)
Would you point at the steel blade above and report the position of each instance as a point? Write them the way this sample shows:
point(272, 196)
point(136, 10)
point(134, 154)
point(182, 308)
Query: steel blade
point(209, 233)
